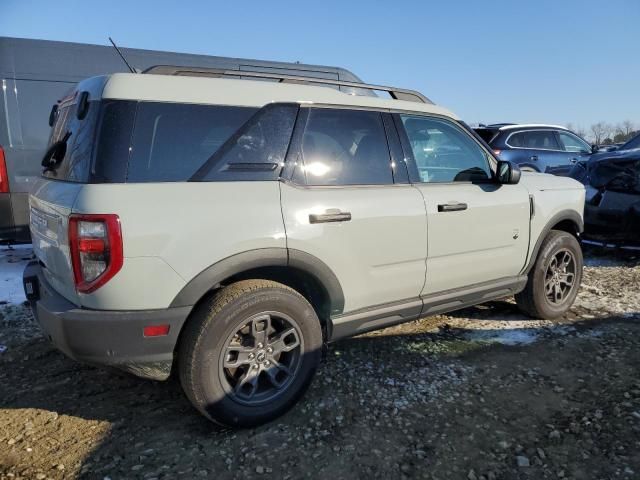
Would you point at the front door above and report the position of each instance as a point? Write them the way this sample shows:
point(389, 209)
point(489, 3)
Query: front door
point(478, 230)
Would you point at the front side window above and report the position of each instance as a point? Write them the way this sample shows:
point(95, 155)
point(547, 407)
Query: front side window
point(345, 147)
point(571, 143)
point(443, 152)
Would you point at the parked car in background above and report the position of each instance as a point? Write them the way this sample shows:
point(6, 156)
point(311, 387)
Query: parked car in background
point(36, 73)
point(536, 147)
point(612, 202)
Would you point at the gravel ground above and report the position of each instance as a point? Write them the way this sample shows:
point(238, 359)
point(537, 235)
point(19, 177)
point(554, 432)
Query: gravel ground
point(484, 393)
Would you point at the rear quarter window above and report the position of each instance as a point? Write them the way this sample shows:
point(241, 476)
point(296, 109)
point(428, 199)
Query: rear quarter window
point(172, 141)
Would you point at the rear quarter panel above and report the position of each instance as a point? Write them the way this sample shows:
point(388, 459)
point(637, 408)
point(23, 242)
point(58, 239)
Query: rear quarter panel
point(173, 231)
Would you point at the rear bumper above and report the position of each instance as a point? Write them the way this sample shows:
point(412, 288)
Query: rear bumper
point(111, 338)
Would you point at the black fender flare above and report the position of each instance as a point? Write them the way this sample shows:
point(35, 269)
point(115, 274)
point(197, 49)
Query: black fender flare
point(562, 216)
point(215, 274)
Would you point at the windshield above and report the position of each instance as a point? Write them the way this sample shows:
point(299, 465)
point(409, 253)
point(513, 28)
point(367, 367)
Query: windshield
point(633, 143)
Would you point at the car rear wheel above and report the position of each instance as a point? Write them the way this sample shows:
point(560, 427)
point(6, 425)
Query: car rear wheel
point(249, 353)
point(554, 279)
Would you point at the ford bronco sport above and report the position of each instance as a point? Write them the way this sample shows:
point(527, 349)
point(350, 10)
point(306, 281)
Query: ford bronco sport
point(229, 228)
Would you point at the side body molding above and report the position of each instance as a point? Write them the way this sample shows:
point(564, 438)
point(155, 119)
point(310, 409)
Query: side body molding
point(565, 215)
point(265, 257)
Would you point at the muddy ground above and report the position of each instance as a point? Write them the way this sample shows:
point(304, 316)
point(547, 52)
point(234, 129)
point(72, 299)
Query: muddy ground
point(480, 394)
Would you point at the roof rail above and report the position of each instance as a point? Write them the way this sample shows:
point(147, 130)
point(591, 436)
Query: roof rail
point(396, 93)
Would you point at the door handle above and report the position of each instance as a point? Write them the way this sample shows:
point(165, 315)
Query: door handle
point(534, 158)
point(332, 215)
point(452, 207)
point(573, 160)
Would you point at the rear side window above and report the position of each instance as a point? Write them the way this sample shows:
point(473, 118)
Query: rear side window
point(177, 142)
point(536, 139)
point(256, 151)
point(172, 141)
point(345, 147)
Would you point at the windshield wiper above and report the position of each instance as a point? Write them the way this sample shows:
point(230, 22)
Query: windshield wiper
point(55, 154)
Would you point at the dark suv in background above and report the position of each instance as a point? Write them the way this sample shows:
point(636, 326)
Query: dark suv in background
point(539, 148)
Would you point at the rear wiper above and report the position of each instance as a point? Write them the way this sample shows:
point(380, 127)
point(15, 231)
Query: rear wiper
point(55, 154)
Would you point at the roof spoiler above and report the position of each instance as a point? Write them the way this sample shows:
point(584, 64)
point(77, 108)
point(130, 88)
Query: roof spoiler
point(396, 93)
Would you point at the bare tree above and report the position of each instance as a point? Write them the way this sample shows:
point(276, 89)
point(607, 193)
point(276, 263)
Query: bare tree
point(577, 129)
point(626, 128)
point(599, 131)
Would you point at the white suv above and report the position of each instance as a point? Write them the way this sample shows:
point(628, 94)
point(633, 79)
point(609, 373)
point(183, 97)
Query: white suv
point(232, 227)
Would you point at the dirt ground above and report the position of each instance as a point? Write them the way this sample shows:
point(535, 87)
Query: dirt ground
point(484, 393)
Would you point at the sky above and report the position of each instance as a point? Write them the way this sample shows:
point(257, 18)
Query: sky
point(544, 61)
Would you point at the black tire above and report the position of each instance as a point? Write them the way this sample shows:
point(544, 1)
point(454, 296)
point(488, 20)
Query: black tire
point(208, 343)
point(535, 299)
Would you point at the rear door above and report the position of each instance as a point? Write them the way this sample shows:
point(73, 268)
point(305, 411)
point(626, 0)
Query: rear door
point(347, 202)
point(478, 230)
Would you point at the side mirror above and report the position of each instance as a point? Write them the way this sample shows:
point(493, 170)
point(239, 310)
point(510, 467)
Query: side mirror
point(508, 173)
point(594, 148)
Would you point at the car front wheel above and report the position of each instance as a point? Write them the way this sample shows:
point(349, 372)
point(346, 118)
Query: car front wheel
point(554, 279)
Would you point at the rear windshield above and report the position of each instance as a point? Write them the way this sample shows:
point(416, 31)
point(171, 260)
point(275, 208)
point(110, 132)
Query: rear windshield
point(143, 142)
point(75, 137)
point(486, 134)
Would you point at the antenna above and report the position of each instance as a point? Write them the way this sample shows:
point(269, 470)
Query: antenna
point(131, 69)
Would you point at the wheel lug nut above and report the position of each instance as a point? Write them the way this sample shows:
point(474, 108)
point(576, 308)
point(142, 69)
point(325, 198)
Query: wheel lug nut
point(255, 366)
point(267, 363)
point(269, 349)
point(260, 345)
point(251, 356)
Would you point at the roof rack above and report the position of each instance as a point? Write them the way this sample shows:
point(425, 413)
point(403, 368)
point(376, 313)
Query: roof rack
point(396, 93)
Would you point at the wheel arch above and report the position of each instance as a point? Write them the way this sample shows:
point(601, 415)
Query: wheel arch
point(305, 273)
point(568, 221)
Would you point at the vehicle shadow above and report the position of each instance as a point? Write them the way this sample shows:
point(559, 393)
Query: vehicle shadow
point(149, 429)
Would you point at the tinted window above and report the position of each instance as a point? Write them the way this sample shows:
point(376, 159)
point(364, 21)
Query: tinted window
point(256, 151)
point(537, 139)
point(345, 147)
point(75, 139)
point(172, 141)
point(571, 143)
point(443, 152)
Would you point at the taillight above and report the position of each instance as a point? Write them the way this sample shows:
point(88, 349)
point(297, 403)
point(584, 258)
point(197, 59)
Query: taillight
point(497, 152)
point(4, 176)
point(95, 244)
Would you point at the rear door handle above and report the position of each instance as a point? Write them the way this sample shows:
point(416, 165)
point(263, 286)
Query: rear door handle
point(573, 160)
point(534, 158)
point(452, 207)
point(332, 215)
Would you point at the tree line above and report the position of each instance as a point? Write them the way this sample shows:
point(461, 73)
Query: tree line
point(603, 133)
